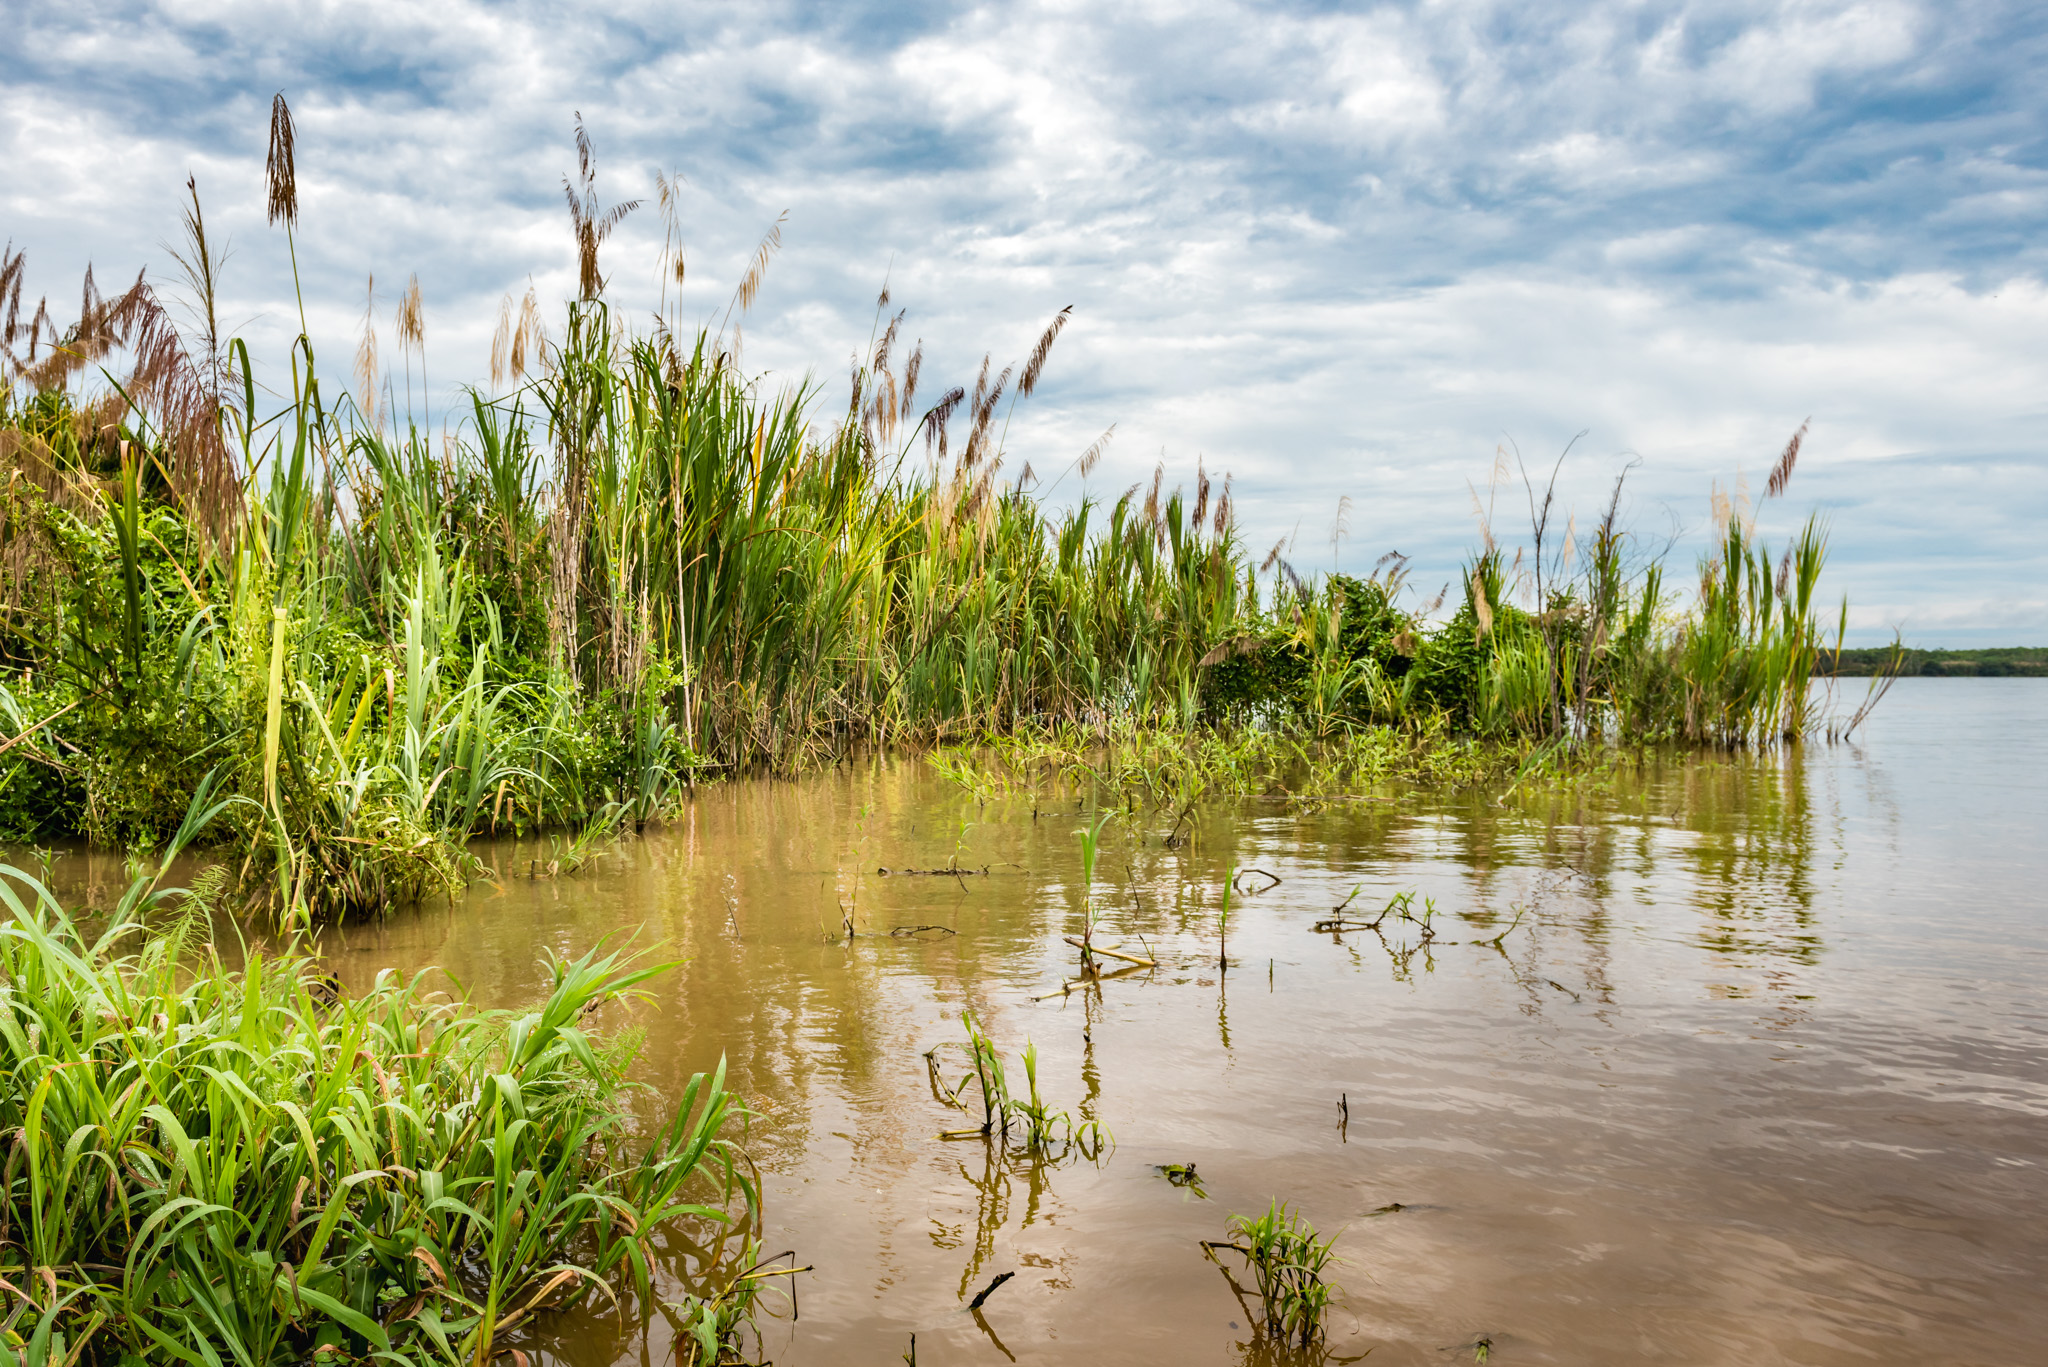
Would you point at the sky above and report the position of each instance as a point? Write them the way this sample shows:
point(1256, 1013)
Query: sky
point(1360, 257)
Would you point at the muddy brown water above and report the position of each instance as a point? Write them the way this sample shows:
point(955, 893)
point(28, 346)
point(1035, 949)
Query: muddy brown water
point(1760, 1077)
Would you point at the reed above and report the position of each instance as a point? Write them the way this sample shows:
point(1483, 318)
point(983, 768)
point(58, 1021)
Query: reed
point(637, 569)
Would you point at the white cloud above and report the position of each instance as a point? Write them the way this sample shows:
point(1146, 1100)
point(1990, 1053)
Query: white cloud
point(1334, 253)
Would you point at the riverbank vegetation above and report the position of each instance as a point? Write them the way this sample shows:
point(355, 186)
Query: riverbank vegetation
point(626, 566)
point(246, 1165)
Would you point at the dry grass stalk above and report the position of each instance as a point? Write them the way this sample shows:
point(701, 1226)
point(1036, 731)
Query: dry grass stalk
point(757, 270)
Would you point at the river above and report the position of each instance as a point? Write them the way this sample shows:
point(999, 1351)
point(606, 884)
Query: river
point(1760, 1075)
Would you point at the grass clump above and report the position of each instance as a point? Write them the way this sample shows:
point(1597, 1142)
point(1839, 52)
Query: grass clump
point(984, 1089)
point(215, 1165)
point(1288, 1263)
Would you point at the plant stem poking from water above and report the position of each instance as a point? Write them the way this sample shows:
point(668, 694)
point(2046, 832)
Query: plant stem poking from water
point(1223, 921)
point(1091, 850)
point(1045, 1133)
point(1288, 1263)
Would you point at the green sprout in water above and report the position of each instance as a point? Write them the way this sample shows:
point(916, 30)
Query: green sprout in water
point(1043, 1131)
point(1288, 1264)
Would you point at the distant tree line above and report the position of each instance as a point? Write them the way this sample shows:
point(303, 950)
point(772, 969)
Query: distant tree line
point(1999, 662)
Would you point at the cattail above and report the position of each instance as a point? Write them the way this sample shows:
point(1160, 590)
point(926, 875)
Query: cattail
point(279, 171)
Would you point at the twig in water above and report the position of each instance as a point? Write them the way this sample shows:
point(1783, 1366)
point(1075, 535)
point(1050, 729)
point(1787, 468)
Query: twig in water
point(1111, 953)
point(989, 1290)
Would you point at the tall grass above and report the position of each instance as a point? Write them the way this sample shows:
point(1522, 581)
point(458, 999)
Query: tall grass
point(214, 1165)
point(631, 566)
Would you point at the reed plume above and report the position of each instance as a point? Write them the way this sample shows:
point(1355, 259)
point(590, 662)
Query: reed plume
point(1036, 365)
point(1781, 473)
point(591, 223)
point(757, 270)
point(281, 180)
point(367, 368)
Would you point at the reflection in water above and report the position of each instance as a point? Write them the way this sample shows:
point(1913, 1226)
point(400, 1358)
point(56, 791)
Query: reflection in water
point(1728, 1058)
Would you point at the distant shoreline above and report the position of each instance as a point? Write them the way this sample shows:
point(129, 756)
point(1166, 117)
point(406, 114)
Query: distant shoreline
point(1996, 662)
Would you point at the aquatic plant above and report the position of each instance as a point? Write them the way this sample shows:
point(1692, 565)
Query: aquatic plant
point(715, 1324)
point(1044, 1132)
point(1288, 1262)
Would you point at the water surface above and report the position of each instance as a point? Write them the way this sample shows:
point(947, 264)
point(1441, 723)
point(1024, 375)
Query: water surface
point(1760, 1077)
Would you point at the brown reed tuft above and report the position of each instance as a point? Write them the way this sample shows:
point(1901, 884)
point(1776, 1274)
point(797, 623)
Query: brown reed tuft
point(910, 373)
point(1093, 455)
point(410, 323)
point(1781, 473)
point(750, 283)
point(280, 172)
point(591, 224)
point(1036, 365)
point(366, 367)
point(941, 414)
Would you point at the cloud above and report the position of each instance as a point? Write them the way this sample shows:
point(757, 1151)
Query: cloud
point(1333, 250)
